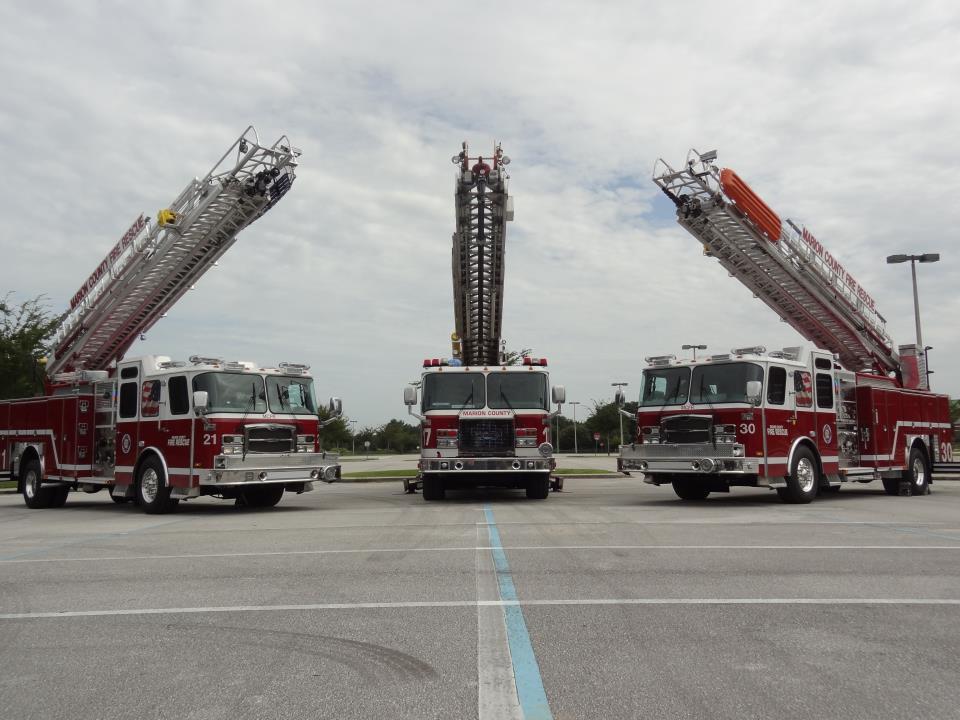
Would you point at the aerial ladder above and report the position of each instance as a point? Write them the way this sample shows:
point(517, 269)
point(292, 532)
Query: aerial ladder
point(483, 208)
point(784, 265)
point(156, 262)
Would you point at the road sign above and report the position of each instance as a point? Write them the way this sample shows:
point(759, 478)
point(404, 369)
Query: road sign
point(596, 436)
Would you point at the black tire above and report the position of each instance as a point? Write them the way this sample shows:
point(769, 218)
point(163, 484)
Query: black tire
point(58, 495)
point(35, 496)
point(538, 488)
point(690, 489)
point(153, 491)
point(433, 489)
point(918, 471)
point(804, 479)
point(261, 497)
point(891, 486)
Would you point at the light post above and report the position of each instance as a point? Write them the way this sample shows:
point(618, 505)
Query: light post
point(914, 259)
point(353, 437)
point(620, 386)
point(575, 403)
point(694, 348)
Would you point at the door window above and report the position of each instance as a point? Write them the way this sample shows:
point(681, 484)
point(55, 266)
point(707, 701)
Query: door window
point(803, 388)
point(128, 400)
point(150, 399)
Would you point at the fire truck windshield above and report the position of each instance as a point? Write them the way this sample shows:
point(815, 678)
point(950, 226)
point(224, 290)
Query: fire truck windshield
point(232, 392)
point(665, 386)
point(725, 383)
point(291, 395)
point(453, 391)
point(513, 391)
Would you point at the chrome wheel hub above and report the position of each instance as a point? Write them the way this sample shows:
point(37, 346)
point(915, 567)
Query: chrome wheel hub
point(805, 474)
point(31, 484)
point(919, 473)
point(149, 485)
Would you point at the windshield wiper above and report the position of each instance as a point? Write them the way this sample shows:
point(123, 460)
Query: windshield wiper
point(504, 398)
point(468, 400)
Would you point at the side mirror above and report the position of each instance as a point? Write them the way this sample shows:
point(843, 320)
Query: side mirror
point(754, 388)
point(619, 398)
point(410, 395)
point(201, 401)
point(336, 407)
point(559, 394)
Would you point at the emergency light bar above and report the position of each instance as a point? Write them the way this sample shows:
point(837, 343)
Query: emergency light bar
point(657, 360)
point(753, 350)
point(535, 361)
point(200, 360)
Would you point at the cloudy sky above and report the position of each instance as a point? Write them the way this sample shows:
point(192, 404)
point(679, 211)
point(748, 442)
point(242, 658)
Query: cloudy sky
point(843, 116)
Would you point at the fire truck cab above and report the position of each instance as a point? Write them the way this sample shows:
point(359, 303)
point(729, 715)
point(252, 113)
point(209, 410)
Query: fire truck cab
point(485, 426)
point(161, 431)
point(780, 420)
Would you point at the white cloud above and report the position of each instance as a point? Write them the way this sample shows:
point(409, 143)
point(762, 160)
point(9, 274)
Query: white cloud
point(840, 116)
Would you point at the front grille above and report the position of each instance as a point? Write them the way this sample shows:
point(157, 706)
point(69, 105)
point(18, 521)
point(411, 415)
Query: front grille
point(686, 429)
point(649, 451)
point(486, 437)
point(270, 438)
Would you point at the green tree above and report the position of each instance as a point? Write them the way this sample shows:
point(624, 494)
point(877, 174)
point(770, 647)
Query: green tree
point(605, 420)
point(334, 435)
point(25, 333)
point(398, 436)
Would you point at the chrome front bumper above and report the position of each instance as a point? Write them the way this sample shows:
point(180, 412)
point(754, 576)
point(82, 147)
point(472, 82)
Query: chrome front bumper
point(466, 466)
point(265, 469)
point(690, 459)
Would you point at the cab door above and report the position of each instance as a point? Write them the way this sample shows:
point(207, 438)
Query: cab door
point(825, 411)
point(128, 425)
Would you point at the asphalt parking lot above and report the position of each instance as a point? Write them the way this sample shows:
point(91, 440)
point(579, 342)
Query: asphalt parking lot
point(610, 600)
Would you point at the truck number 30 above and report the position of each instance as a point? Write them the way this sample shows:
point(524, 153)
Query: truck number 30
point(747, 428)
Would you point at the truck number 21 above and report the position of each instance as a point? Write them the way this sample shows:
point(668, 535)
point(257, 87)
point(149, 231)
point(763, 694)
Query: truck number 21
point(209, 438)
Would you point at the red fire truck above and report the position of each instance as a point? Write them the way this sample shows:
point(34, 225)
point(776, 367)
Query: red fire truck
point(155, 430)
point(795, 421)
point(484, 423)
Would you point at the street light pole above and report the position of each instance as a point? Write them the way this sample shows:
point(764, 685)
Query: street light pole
point(620, 386)
point(353, 438)
point(575, 403)
point(914, 259)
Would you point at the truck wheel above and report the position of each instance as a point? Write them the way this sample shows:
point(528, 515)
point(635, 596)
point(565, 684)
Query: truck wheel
point(804, 478)
point(538, 488)
point(433, 489)
point(918, 472)
point(690, 489)
point(153, 492)
point(35, 496)
point(261, 497)
point(58, 495)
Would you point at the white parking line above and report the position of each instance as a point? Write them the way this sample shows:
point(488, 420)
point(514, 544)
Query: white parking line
point(496, 689)
point(584, 602)
point(354, 551)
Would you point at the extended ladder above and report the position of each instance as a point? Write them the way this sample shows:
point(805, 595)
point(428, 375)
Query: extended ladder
point(154, 264)
point(780, 262)
point(483, 208)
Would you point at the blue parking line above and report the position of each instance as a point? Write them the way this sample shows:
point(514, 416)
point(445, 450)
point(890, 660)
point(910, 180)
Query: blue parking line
point(526, 670)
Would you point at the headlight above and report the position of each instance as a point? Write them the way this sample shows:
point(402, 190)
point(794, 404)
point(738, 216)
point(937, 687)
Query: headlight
point(232, 444)
point(545, 449)
point(306, 443)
